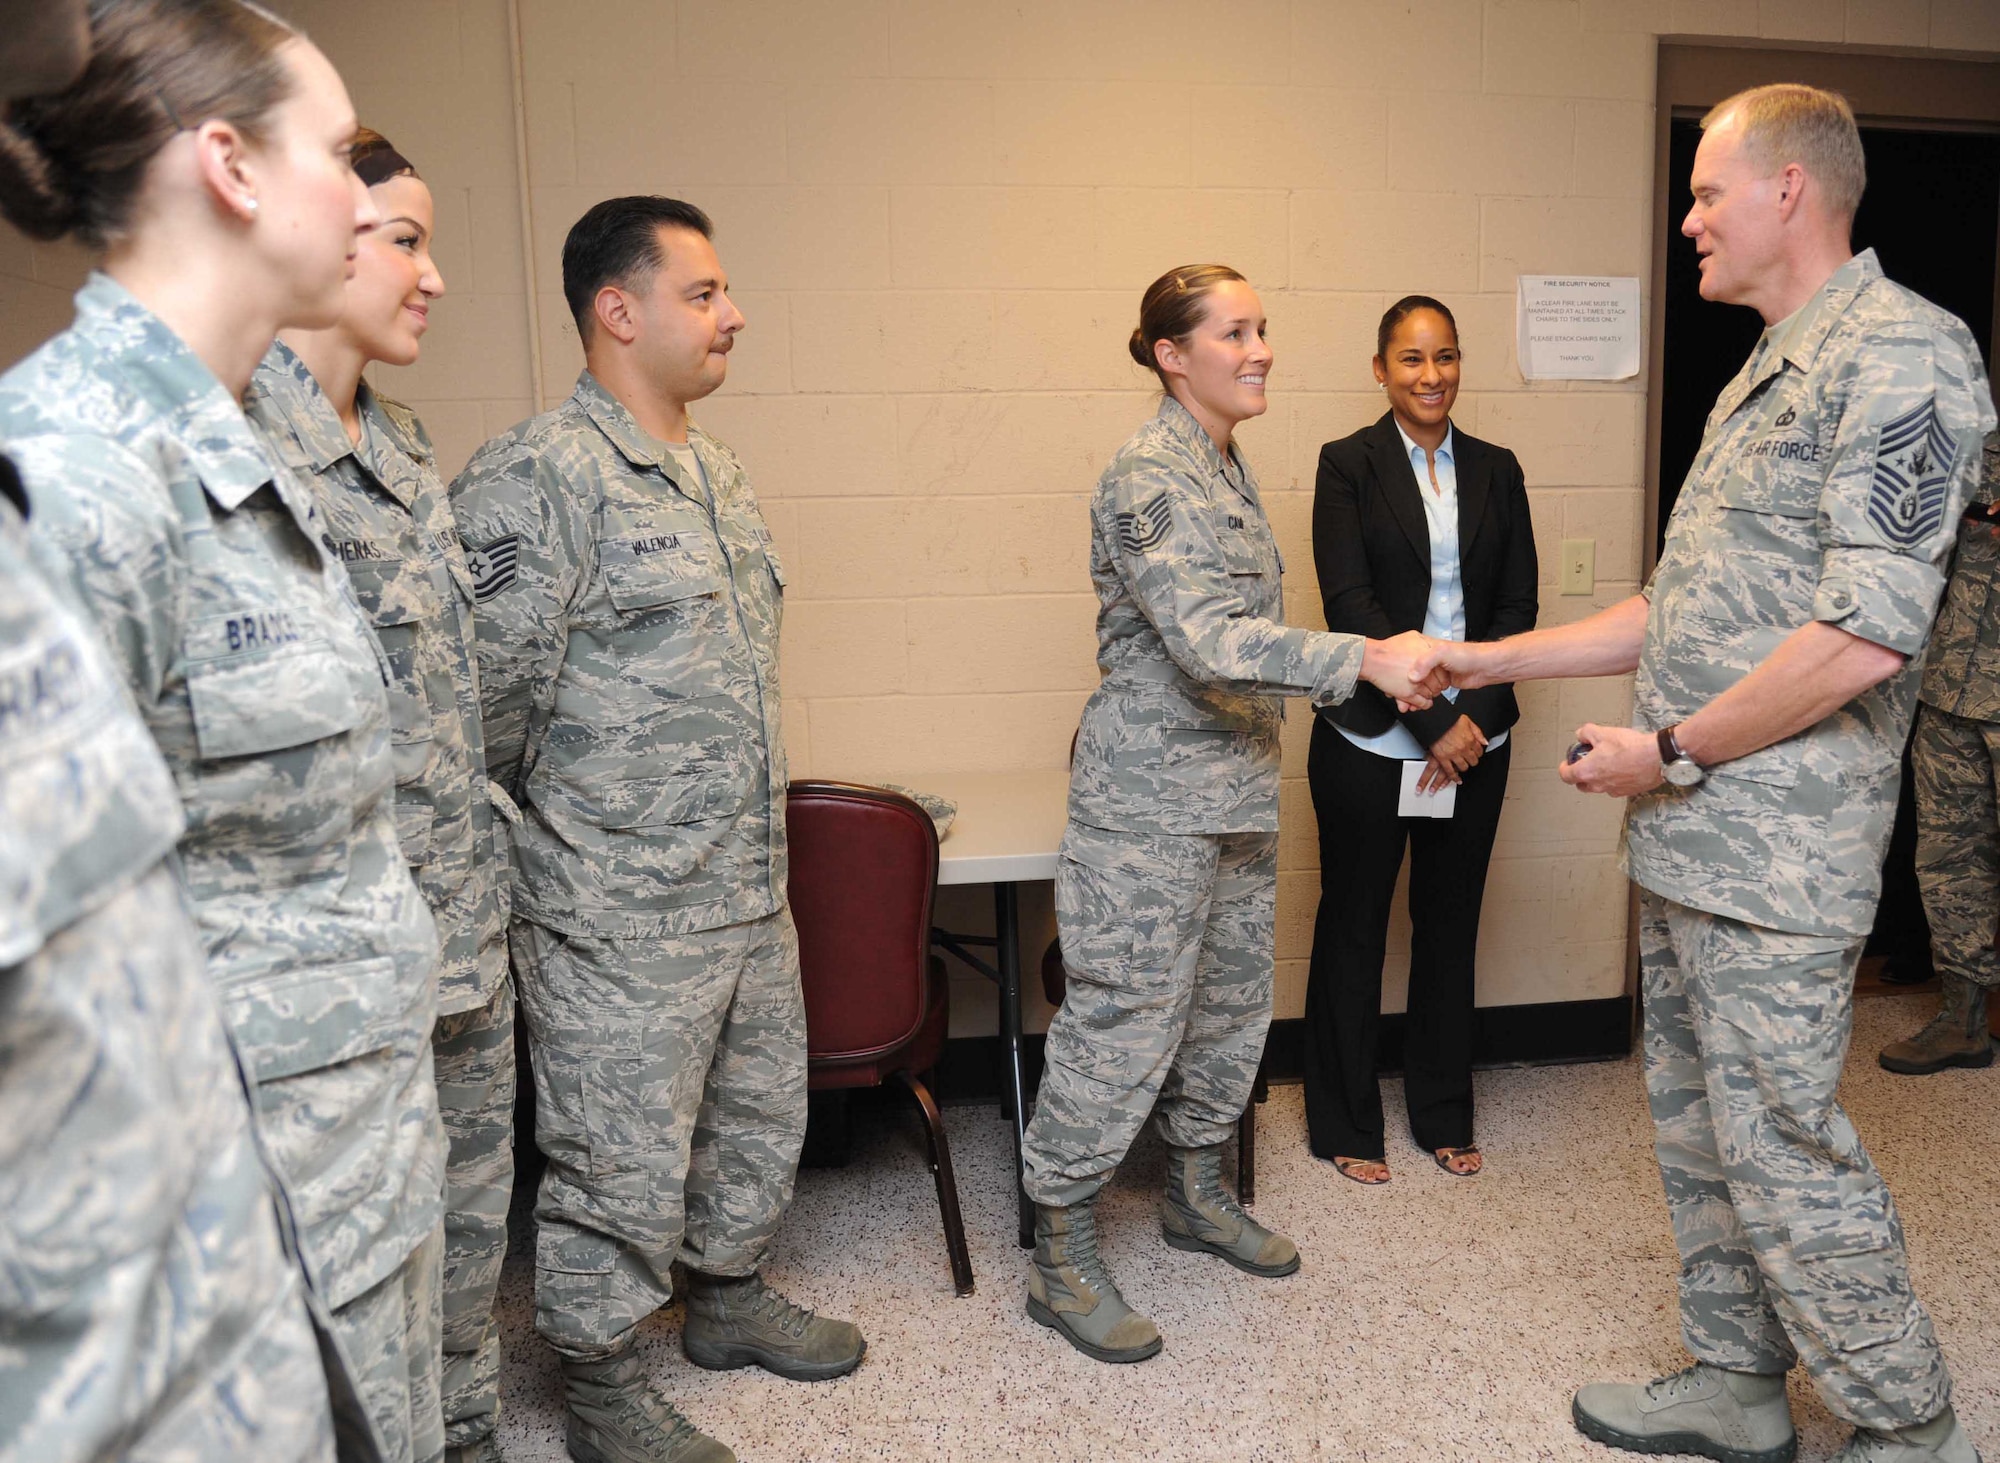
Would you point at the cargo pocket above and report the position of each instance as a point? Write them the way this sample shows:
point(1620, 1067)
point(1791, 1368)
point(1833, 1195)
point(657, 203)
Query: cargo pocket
point(1854, 1279)
point(665, 802)
point(307, 1020)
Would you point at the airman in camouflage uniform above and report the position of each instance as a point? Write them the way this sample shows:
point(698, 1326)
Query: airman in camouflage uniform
point(147, 1307)
point(386, 518)
point(629, 599)
point(258, 676)
point(1166, 893)
point(1827, 488)
point(1955, 754)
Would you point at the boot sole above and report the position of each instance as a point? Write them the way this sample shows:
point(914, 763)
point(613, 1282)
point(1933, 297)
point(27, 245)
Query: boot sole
point(1249, 1267)
point(1039, 1312)
point(731, 1358)
point(1903, 1068)
point(1686, 1442)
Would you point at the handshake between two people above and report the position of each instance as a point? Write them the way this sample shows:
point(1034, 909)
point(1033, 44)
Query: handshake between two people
point(1413, 670)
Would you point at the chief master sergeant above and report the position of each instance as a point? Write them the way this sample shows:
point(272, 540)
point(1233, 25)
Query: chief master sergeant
point(1778, 646)
point(628, 610)
point(1955, 755)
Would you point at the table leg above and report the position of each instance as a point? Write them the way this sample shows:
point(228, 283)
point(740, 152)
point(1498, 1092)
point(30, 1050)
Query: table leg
point(1007, 932)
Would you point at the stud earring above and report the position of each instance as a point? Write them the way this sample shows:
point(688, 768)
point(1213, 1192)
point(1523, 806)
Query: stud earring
point(250, 206)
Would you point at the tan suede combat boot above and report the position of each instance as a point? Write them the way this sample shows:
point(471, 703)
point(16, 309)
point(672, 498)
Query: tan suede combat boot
point(1941, 1440)
point(1198, 1213)
point(618, 1415)
point(737, 1321)
point(1070, 1291)
point(1734, 1417)
point(1955, 1037)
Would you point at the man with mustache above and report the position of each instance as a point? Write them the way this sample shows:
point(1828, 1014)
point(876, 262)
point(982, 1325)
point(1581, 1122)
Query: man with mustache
point(628, 600)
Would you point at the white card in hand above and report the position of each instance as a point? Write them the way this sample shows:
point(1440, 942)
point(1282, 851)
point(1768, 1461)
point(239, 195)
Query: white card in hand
point(1414, 804)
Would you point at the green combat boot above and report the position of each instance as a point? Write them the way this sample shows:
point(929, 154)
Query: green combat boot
point(1070, 1291)
point(1735, 1417)
point(617, 1415)
point(1941, 1440)
point(1198, 1213)
point(1956, 1036)
point(737, 1321)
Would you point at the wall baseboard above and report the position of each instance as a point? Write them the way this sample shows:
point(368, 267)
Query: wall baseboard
point(1549, 1033)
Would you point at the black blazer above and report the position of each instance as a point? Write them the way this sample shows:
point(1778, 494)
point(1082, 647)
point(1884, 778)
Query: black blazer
point(1372, 548)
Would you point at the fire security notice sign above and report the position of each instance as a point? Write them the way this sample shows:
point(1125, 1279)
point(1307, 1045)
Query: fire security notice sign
point(1577, 327)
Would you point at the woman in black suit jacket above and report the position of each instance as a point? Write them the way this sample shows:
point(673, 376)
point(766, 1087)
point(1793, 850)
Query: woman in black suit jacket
point(1416, 526)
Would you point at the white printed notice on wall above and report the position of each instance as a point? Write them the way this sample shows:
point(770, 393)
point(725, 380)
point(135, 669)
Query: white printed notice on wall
point(1573, 327)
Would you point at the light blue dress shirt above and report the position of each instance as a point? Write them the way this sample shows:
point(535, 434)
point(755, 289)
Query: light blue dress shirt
point(1444, 612)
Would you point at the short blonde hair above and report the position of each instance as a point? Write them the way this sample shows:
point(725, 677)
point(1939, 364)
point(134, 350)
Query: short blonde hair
point(1790, 123)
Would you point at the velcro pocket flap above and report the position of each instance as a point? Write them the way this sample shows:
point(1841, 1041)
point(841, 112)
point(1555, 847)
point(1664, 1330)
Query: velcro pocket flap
point(1788, 492)
point(305, 1019)
point(659, 569)
point(263, 680)
point(652, 802)
point(395, 591)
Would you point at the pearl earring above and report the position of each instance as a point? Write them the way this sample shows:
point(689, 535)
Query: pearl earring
point(250, 206)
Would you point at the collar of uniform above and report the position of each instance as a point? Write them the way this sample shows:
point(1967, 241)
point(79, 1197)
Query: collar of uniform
point(399, 424)
point(1182, 424)
point(287, 389)
point(208, 422)
point(1806, 331)
point(616, 422)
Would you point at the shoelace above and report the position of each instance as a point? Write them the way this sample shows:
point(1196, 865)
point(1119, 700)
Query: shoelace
point(787, 1317)
point(1081, 1252)
point(649, 1405)
point(1207, 1187)
point(1665, 1389)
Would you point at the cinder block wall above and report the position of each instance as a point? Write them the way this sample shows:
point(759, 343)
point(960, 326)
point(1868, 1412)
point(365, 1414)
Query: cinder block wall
point(938, 216)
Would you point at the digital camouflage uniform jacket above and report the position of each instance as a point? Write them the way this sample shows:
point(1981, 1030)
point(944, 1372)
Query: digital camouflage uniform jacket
point(1181, 734)
point(256, 672)
point(385, 516)
point(147, 1308)
point(628, 660)
point(1962, 674)
point(1828, 487)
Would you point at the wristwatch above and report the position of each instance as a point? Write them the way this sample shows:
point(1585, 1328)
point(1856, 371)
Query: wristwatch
point(1675, 765)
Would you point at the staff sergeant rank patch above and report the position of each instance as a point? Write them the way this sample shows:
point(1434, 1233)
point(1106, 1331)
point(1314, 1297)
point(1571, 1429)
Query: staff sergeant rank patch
point(1138, 532)
point(1913, 457)
point(493, 567)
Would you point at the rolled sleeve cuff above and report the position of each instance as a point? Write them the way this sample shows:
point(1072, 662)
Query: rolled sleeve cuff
point(1888, 599)
point(1339, 669)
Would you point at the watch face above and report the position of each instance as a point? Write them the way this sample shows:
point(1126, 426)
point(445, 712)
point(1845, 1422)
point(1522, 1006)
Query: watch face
point(1682, 773)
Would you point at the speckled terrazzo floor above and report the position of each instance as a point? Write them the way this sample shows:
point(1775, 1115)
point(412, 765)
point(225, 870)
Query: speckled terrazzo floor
point(1434, 1319)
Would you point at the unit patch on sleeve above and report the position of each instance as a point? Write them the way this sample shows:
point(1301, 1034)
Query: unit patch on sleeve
point(1140, 531)
point(1913, 458)
point(493, 567)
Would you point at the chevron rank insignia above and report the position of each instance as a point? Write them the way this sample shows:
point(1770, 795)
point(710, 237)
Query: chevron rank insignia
point(1913, 457)
point(1140, 531)
point(493, 567)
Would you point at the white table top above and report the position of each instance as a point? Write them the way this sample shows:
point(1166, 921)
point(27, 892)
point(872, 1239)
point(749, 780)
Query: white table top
point(1009, 824)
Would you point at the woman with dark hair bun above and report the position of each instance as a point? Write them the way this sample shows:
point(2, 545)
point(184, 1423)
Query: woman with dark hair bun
point(1416, 526)
point(205, 149)
point(385, 514)
point(1166, 894)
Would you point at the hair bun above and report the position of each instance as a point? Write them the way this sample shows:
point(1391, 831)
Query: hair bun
point(1137, 345)
point(31, 197)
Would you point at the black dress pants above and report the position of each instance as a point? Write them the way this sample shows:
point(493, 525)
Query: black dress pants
point(1361, 841)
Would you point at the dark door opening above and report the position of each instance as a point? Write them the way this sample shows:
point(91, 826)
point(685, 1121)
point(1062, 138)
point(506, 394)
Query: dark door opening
point(1932, 214)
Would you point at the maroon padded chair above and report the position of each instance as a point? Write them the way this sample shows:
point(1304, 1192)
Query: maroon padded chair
point(1055, 982)
point(864, 865)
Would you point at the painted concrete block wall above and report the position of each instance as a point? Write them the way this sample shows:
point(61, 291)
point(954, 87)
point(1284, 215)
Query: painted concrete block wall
point(938, 216)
